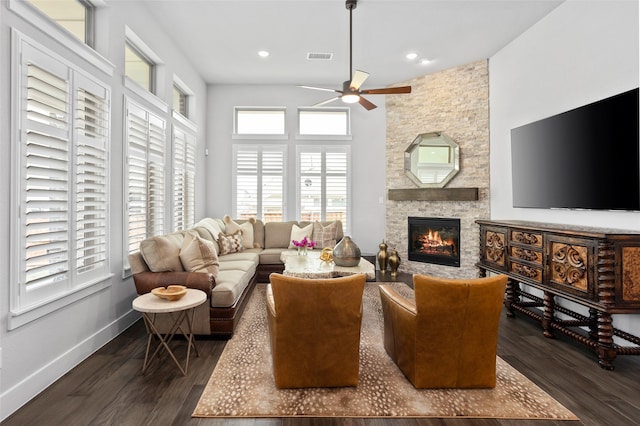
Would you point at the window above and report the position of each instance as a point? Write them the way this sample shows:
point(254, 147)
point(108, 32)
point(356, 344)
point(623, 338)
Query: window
point(184, 166)
point(145, 136)
point(259, 121)
point(323, 121)
point(138, 68)
point(62, 217)
point(259, 182)
point(323, 184)
point(180, 101)
point(75, 16)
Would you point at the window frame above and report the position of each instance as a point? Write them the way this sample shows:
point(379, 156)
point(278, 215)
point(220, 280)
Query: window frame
point(139, 46)
point(26, 304)
point(261, 136)
point(309, 136)
point(56, 32)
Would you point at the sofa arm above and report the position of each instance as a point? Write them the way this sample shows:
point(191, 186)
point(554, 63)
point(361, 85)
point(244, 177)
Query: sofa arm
point(146, 281)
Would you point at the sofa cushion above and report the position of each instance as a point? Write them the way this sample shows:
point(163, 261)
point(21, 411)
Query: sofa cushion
point(298, 234)
point(229, 286)
point(161, 253)
point(276, 234)
point(199, 255)
point(271, 256)
point(250, 254)
point(325, 235)
point(230, 243)
point(239, 265)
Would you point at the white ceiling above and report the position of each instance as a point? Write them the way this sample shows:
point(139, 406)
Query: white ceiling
point(221, 38)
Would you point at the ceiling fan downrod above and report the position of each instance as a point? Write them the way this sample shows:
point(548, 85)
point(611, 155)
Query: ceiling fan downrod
point(351, 4)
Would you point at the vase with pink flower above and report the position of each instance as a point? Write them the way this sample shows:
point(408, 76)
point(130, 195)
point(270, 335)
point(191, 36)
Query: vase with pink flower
point(303, 245)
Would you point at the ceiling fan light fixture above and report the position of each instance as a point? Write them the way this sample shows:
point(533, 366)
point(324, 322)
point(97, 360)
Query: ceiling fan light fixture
point(350, 98)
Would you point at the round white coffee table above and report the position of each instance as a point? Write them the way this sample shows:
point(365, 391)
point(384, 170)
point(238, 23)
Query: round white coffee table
point(179, 310)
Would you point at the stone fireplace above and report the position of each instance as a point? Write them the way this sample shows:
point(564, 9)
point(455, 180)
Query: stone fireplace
point(434, 240)
point(454, 101)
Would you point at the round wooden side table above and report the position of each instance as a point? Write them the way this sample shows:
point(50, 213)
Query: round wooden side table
point(179, 310)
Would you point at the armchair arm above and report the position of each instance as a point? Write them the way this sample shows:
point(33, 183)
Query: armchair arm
point(146, 281)
point(398, 302)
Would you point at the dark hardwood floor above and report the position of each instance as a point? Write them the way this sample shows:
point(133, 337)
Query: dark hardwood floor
point(108, 389)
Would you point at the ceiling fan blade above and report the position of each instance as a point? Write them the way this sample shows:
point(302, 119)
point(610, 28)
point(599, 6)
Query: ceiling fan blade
point(388, 90)
point(365, 103)
point(358, 78)
point(326, 102)
point(319, 88)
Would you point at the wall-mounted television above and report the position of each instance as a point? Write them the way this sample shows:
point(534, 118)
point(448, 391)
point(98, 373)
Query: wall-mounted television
point(585, 158)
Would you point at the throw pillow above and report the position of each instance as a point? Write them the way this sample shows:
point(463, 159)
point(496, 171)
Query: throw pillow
point(325, 236)
point(160, 253)
point(246, 228)
point(230, 243)
point(199, 255)
point(298, 234)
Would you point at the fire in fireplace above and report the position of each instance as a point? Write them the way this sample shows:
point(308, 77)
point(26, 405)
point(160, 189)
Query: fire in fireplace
point(434, 240)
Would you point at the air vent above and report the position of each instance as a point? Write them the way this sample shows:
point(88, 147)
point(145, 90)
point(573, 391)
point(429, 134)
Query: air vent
point(315, 56)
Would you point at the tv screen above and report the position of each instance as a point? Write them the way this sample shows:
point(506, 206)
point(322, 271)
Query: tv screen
point(586, 158)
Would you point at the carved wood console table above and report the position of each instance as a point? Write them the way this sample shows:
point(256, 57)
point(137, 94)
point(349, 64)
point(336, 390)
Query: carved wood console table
point(595, 268)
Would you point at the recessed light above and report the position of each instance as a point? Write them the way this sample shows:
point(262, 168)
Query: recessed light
point(425, 61)
point(411, 56)
point(263, 53)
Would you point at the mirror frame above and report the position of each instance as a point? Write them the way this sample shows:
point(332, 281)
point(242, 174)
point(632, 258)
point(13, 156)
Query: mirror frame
point(436, 139)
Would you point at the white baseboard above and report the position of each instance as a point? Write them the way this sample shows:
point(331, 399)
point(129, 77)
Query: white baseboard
point(15, 397)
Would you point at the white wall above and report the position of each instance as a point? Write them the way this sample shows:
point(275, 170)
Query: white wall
point(581, 52)
point(36, 354)
point(367, 152)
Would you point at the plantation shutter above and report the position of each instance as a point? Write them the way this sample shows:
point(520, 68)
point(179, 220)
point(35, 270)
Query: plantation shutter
point(46, 166)
point(246, 161)
point(272, 194)
point(156, 206)
point(183, 179)
point(137, 179)
point(336, 187)
point(323, 184)
point(259, 180)
point(310, 184)
point(92, 120)
point(146, 180)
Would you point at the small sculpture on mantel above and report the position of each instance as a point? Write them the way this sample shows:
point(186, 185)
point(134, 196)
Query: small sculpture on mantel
point(394, 262)
point(382, 257)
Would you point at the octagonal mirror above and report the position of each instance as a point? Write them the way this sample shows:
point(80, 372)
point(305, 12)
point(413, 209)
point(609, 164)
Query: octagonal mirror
point(432, 160)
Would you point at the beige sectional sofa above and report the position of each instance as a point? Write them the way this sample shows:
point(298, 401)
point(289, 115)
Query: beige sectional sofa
point(224, 258)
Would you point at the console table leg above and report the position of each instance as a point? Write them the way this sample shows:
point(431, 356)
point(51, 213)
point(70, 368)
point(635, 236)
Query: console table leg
point(605, 350)
point(549, 308)
point(510, 297)
point(593, 324)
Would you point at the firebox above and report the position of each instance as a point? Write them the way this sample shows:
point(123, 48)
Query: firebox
point(434, 240)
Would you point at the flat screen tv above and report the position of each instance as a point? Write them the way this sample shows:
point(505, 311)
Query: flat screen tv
point(586, 158)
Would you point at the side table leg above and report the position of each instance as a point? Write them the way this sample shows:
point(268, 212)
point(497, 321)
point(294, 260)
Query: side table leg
point(548, 317)
point(605, 350)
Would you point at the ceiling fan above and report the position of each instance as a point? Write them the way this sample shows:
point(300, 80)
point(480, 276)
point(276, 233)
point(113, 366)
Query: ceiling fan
point(351, 92)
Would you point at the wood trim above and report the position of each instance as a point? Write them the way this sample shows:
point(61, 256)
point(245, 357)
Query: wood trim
point(434, 194)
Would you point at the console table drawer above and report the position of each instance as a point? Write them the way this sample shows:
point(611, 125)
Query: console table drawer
point(526, 271)
point(528, 238)
point(523, 253)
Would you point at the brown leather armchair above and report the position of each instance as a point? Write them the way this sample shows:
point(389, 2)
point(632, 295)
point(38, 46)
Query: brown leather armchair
point(314, 326)
point(448, 336)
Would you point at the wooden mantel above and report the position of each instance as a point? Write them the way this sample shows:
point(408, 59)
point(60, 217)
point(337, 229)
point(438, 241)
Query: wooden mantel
point(434, 194)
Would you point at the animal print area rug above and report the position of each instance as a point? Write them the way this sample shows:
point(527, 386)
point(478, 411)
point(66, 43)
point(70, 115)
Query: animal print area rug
point(242, 384)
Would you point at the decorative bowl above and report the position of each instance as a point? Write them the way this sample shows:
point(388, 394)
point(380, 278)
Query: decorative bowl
point(172, 292)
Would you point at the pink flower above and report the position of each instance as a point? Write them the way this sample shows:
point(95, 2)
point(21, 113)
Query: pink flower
point(304, 243)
